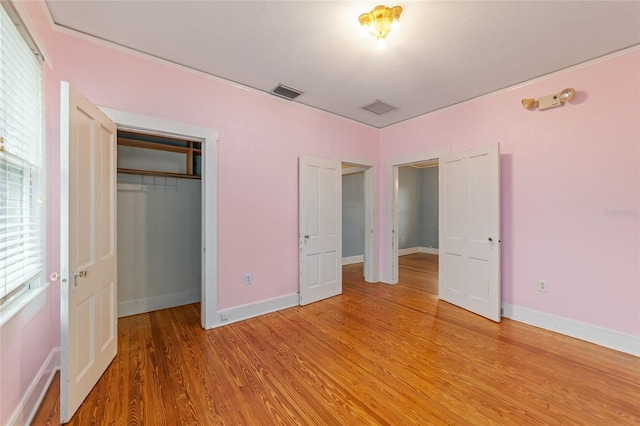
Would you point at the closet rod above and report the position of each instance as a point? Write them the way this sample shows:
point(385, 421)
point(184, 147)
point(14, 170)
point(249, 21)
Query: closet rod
point(155, 173)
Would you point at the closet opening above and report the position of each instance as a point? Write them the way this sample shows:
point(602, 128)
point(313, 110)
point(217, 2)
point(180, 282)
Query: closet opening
point(159, 221)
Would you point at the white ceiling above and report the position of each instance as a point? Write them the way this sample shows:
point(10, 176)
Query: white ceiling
point(446, 51)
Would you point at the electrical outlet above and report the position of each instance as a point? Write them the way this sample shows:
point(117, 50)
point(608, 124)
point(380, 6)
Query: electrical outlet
point(248, 279)
point(543, 286)
point(224, 316)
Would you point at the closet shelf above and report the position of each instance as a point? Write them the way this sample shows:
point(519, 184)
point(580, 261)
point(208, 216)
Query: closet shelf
point(158, 155)
point(156, 173)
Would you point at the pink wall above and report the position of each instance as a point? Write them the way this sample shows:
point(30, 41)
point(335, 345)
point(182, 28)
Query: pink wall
point(24, 354)
point(260, 140)
point(561, 170)
point(22, 357)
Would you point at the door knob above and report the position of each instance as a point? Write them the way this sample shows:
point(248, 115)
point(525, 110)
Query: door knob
point(55, 276)
point(79, 274)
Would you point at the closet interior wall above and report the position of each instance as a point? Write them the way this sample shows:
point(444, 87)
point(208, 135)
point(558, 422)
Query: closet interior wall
point(159, 229)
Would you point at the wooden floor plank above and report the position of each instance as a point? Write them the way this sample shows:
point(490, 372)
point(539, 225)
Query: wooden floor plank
point(375, 355)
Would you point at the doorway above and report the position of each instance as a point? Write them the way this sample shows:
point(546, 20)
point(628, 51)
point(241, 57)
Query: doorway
point(418, 225)
point(208, 209)
point(353, 217)
point(423, 160)
point(320, 227)
point(358, 235)
point(159, 221)
point(469, 227)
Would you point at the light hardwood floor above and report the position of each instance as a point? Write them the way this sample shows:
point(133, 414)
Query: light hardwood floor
point(377, 354)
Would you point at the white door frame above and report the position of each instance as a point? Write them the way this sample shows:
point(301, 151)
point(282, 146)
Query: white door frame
point(370, 271)
point(209, 281)
point(390, 275)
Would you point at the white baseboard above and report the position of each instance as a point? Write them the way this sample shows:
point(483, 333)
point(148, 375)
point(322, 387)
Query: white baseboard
point(352, 259)
point(243, 312)
point(413, 250)
point(34, 395)
point(386, 279)
point(139, 306)
point(428, 250)
point(408, 250)
point(600, 336)
point(375, 278)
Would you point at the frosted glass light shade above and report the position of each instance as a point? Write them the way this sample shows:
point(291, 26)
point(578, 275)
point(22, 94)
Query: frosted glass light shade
point(567, 94)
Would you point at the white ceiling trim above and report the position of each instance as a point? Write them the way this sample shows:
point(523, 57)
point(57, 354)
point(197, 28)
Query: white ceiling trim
point(45, 11)
point(142, 55)
point(526, 83)
point(31, 30)
point(175, 65)
point(470, 49)
point(105, 43)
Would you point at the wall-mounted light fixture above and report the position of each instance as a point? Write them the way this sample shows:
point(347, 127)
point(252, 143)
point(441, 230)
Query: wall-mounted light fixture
point(550, 101)
point(380, 22)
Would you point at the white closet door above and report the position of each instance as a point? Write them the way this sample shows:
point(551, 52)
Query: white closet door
point(469, 258)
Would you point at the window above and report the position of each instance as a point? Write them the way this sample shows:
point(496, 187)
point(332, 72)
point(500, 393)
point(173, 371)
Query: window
point(21, 146)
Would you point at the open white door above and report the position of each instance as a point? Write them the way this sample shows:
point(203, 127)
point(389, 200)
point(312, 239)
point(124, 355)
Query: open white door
point(320, 229)
point(469, 260)
point(88, 309)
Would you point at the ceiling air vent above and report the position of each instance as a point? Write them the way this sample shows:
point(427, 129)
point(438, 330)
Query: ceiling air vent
point(379, 107)
point(286, 92)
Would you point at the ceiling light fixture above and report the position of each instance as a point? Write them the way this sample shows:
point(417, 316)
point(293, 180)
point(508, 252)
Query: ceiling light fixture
point(380, 22)
point(550, 101)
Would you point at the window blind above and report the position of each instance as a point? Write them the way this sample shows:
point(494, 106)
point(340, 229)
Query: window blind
point(21, 161)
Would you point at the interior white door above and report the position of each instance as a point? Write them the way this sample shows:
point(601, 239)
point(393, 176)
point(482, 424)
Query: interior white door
point(469, 261)
point(320, 229)
point(88, 273)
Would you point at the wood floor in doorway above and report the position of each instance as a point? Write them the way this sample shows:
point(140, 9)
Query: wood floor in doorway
point(419, 270)
point(376, 355)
